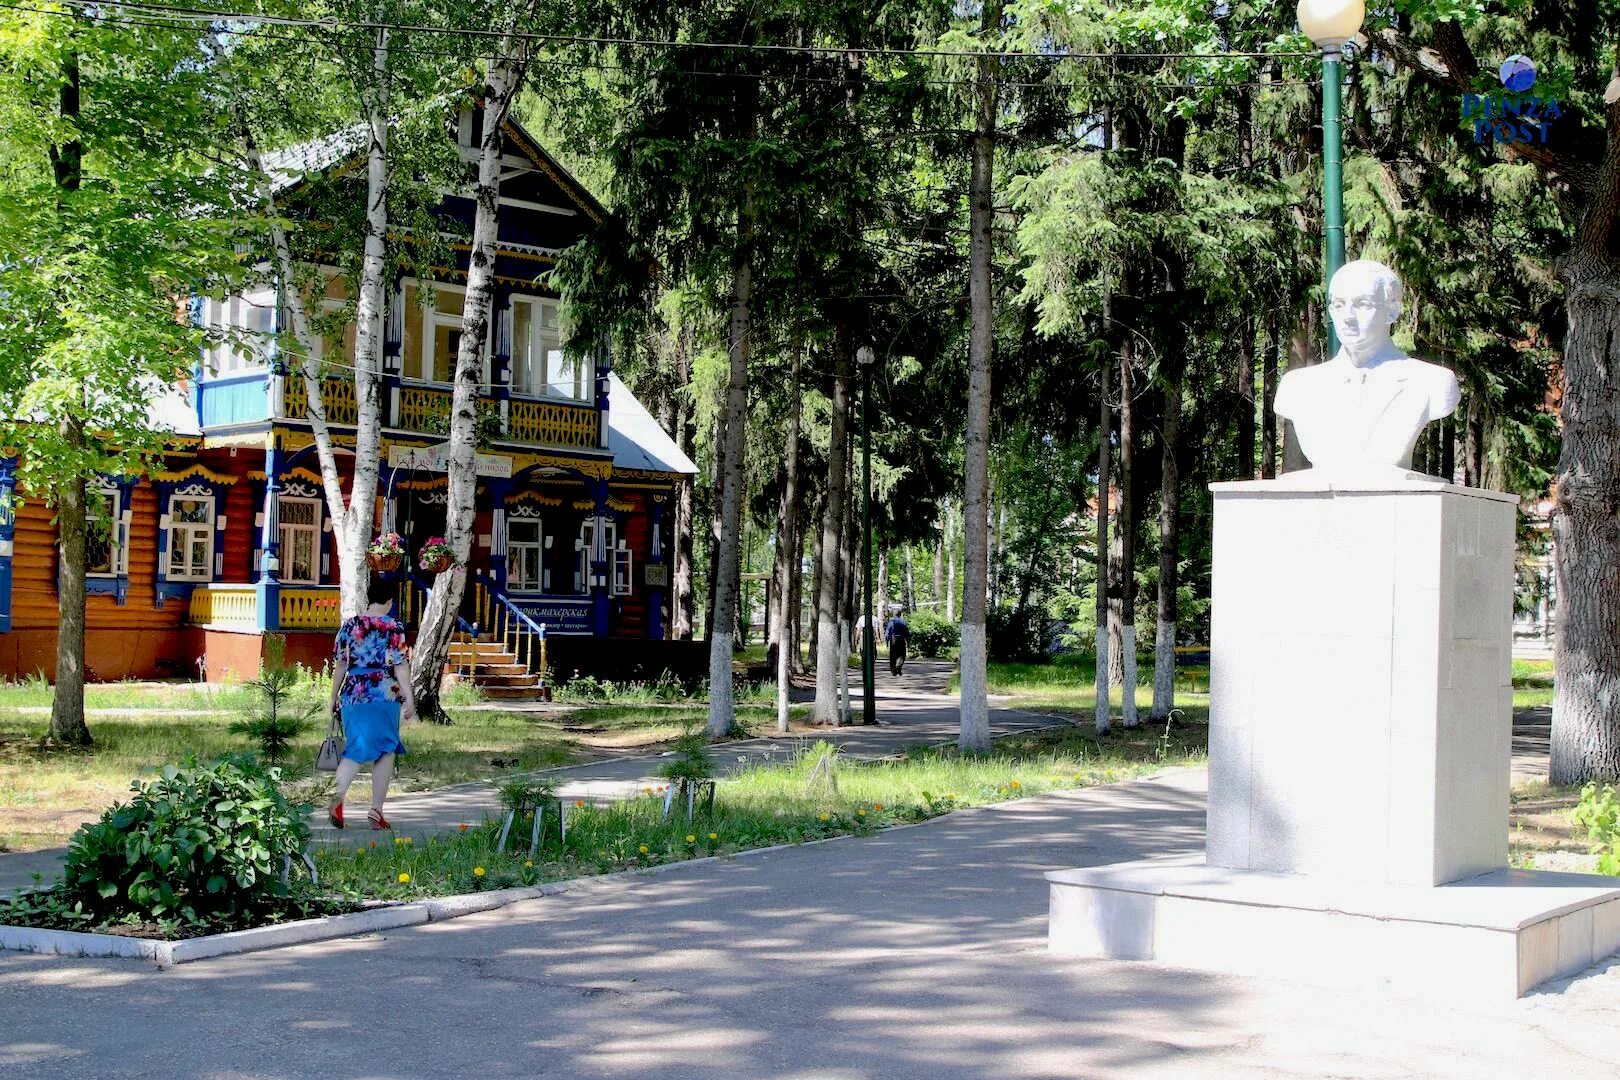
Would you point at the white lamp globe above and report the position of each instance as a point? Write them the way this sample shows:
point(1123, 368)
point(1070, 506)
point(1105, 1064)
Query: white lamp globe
point(1330, 22)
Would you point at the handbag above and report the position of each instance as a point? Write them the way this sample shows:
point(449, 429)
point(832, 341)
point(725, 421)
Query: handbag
point(331, 751)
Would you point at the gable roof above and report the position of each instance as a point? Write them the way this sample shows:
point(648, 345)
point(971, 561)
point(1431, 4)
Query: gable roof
point(636, 439)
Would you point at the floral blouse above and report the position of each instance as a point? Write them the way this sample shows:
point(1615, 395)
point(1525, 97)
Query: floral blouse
point(374, 644)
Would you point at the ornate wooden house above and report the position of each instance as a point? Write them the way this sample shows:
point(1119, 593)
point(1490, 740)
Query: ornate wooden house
point(578, 483)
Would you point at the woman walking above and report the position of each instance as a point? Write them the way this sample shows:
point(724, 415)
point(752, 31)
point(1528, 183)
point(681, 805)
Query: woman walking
point(371, 683)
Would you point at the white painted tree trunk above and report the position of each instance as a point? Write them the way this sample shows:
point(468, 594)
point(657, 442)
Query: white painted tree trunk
point(1127, 701)
point(438, 623)
point(1164, 669)
point(788, 548)
point(843, 673)
point(829, 600)
point(974, 733)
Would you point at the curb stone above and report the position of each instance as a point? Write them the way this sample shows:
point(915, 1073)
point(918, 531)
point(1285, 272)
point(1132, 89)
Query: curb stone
point(386, 916)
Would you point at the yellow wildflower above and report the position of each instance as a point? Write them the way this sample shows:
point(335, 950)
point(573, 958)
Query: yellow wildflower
point(1015, 783)
point(529, 863)
point(644, 849)
point(714, 836)
point(690, 839)
point(404, 879)
point(824, 817)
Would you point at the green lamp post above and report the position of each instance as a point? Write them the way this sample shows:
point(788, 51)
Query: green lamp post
point(865, 357)
point(1331, 23)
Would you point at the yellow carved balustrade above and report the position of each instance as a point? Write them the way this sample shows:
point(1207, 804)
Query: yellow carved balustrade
point(549, 423)
point(310, 609)
point(337, 397)
point(231, 607)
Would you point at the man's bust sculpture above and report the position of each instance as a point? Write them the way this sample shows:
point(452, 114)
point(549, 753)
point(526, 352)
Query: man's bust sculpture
point(1362, 411)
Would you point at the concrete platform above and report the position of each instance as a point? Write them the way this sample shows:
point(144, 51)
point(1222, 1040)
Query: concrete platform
point(1490, 937)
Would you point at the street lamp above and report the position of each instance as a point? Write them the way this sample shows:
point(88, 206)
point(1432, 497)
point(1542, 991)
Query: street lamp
point(864, 357)
point(1331, 23)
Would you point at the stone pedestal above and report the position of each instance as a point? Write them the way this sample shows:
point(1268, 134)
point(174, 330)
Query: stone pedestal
point(1360, 739)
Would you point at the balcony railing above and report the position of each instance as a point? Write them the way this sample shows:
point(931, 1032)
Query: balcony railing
point(310, 609)
point(337, 396)
point(225, 607)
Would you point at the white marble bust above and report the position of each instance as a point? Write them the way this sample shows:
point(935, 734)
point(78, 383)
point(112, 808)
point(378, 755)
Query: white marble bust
point(1361, 412)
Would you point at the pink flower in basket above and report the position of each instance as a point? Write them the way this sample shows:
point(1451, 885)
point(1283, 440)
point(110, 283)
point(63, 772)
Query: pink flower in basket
point(387, 544)
point(433, 551)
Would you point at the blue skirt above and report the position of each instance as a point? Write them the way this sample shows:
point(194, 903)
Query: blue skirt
point(370, 730)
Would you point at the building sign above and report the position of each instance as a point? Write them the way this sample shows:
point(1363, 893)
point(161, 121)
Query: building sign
point(559, 616)
point(657, 575)
point(437, 459)
point(1516, 116)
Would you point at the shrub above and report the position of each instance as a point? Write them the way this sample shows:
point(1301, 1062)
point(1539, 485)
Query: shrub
point(1017, 634)
point(691, 760)
point(932, 635)
point(200, 844)
point(1598, 813)
point(278, 709)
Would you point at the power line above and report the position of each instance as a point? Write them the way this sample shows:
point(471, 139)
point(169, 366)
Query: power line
point(332, 24)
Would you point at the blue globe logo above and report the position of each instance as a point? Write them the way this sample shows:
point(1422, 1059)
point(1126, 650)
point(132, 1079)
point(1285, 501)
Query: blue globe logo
point(1517, 73)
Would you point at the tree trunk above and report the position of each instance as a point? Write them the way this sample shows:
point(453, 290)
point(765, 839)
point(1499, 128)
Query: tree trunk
point(829, 598)
point(1164, 638)
point(1104, 426)
point(1125, 541)
point(910, 599)
point(1474, 443)
point(722, 715)
point(939, 572)
point(796, 594)
point(438, 622)
point(1268, 413)
point(950, 567)
point(685, 432)
point(882, 587)
point(787, 557)
point(1585, 739)
point(67, 697)
point(975, 701)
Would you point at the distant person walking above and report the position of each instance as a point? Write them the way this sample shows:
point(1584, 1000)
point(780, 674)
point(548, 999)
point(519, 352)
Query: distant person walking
point(896, 633)
point(371, 686)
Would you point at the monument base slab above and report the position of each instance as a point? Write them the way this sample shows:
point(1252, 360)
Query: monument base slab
point(1490, 937)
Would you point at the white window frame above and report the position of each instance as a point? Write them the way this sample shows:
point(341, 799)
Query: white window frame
point(584, 571)
point(222, 360)
point(183, 530)
point(283, 529)
point(538, 546)
point(623, 570)
point(432, 319)
point(585, 380)
point(118, 535)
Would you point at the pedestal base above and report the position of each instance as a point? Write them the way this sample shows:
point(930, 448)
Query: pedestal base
point(1493, 936)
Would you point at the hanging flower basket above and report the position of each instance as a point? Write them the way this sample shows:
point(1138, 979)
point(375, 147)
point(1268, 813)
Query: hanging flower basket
point(386, 552)
point(436, 556)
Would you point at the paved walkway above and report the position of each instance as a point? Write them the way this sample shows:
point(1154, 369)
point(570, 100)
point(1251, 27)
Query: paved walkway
point(916, 953)
point(913, 710)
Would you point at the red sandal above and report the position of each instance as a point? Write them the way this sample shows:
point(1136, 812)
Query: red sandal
point(377, 820)
point(335, 816)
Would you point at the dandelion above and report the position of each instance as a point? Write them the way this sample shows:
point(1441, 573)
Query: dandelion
point(690, 839)
point(478, 871)
point(399, 841)
point(643, 849)
point(714, 836)
point(462, 827)
point(579, 802)
point(860, 811)
point(408, 841)
point(1015, 784)
point(528, 864)
point(646, 791)
point(877, 806)
point(824, 817)
point(404, 879)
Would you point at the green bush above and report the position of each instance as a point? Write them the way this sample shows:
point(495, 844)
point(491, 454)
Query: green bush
point(280, 708)
point(1598, 813)
point(1017, 634)
point(932, 635)
point(199, 845)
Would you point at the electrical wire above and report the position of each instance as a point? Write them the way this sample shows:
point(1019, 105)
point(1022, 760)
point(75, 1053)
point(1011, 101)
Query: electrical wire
point(208, 15)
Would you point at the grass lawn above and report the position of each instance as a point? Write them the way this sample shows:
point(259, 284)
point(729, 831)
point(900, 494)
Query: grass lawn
point(768, 804)
point(46, 794)
point(1067, 686)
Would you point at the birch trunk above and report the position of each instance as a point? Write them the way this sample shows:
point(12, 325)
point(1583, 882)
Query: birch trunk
point(939, 572)
point(685, 595)
point(882, 613)
point(438, 621)
point(1268, 410)
point(1104, 430)
point(1125, 539)
point(787, 556)
point(723, 586)
point(950, 567)
point(1164, 639)
point(975, 702)
point(828, 594)
point(910, 601)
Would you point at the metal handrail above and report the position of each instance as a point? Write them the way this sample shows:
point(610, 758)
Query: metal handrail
point(512, 626)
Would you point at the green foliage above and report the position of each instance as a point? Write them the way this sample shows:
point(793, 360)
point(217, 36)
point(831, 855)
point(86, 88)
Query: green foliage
point(281, 707)
point(932, 635)
point(692, 760)
point(1598, 813)
point(1017, 633)
point(198, 845)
